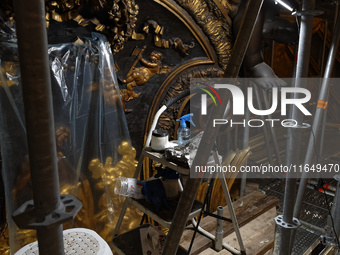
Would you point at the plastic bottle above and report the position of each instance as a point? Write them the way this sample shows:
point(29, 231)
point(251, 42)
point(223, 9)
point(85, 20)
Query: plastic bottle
point(183, 132)
point(128, 187)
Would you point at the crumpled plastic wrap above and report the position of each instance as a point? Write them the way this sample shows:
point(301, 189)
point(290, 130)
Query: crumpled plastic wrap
point(93, 143)
point(184, 155)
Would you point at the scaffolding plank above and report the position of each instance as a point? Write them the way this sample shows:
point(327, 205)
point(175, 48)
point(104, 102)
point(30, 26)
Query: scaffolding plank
point(257, 235)
point(247, 208)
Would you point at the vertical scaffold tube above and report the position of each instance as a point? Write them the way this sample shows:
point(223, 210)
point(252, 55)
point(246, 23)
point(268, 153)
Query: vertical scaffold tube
point(37, 96)
point(294, 134)
point(323, 96)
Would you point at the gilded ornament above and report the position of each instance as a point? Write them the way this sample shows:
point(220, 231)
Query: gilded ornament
point(62, 135)
point(96, 168)
point(215, 24)
point(104, 176)
point(141, 75)
point(85, 215)
point(167, 120)
point(110, 93)
point(116, 20)
point(158, 30)
point(4, 242)
point(125, 148)
point(9, 74)
point(103, 202)
point(108, 162)
point(100, 185)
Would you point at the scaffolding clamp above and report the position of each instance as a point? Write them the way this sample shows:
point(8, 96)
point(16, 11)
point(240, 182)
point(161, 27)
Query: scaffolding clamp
point(25, 216)
point(280, 222)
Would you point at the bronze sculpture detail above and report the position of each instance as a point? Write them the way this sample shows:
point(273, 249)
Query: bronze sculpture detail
point(141, 75)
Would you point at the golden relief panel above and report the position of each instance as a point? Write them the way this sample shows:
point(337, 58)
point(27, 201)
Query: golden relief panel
point(119, 29)
point(139, 76)
point(217, 25)
point(120, 26)
point(115, 19)
point(213, 16)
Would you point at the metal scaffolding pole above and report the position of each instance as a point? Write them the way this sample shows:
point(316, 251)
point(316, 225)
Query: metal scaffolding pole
point(318, 114)
point(272, 130)
point(294, 134)
point(324, 117)
point(336, 209)
point(37, 97)
point(324, 120)
point(265, 130)
point(245, 144)
point(210, 133)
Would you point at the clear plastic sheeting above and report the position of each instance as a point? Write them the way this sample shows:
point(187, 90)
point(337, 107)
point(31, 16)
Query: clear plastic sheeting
point(93, 144)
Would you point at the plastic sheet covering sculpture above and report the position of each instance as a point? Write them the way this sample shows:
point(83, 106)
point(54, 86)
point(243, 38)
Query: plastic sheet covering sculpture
point(93, 144)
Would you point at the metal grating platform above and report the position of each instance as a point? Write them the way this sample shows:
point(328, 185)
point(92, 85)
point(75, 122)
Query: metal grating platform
point(314, 210)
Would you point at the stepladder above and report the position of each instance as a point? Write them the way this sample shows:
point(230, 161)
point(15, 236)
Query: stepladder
point(165, 217)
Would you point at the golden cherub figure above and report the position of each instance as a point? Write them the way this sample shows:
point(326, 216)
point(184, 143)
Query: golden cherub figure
point(141, 75)
point(105, 175)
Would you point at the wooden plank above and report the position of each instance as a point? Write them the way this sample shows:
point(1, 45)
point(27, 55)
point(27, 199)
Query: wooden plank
point(225, 252)
point(270, 252)
point(246, 209)
point(235, 189)
point(212, 252)
point(257, 235)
